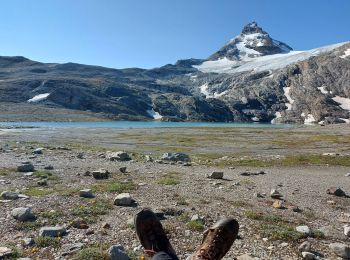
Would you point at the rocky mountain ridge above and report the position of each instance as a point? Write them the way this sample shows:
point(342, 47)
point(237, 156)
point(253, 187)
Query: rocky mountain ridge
point(253, 78)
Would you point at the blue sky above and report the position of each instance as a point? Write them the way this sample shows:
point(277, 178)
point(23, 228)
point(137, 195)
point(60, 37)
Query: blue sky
point(151, 33)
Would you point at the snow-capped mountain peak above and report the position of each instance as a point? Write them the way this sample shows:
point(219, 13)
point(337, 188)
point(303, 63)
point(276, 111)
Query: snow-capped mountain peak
point(252, 42)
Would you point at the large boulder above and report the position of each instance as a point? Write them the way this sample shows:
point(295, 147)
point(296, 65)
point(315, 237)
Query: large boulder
point(341, 250)
point(123, 199)
point(182, 157)
point(100, 174)
point(117, 252)
point(25, 167)
point(215, 175)
point(23, 214)
point(9, 195)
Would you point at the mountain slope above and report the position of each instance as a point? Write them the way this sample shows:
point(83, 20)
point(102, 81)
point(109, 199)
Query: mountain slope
point(252, 78)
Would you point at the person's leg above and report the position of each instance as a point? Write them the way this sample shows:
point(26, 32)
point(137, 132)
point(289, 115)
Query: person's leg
point(152, 237)
point(217, 240)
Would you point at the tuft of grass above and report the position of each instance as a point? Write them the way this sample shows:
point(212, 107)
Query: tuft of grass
point(48, 241)
point(92, 210)
point(281, 232)
point(171, 178)
point(27, 225)
point(263, 217)
point(113, 185)
point(240, 204)
point(6, 171)
point(184, 217)
point(91, 253)
point(38, 191)
point(53, 217)
point(196, 225)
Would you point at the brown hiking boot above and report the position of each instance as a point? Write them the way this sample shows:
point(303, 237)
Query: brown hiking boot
point(217, 240)
point(151, 234)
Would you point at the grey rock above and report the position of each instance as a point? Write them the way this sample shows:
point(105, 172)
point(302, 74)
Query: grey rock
point(100, 174)
point(215, 175)
point(38, 151)
point(247, 257)
point(23, 214)
point(25, 167)
point(347, 230)
point(71, 248)
point(118, 156)
point(175, 157)
point(336, 192)
point(148, 158)
point(42, 182)
point(117, 252)
point(308, 256)
point(347, 175)
point(123, 199)
point(340, 250)
point(196, 217)
point(48, 167)
point(122, 169)
point(305, 247)
point(275, 194)
point(28, 241)
point(303, 229)
point(9, 195)
point(87, 193)
point(52, 231)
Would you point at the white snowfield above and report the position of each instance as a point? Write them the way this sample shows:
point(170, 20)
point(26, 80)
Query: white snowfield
point(344, 102)
point(39, 97)
point(154, 114)
point(261, 63)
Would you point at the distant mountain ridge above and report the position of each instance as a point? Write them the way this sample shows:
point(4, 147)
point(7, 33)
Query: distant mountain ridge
point(252, 78)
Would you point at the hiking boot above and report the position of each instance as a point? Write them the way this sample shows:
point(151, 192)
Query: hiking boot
point(217, 240)
point(151, 234)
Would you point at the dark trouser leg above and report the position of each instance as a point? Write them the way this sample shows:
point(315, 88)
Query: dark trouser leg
point(164, 256)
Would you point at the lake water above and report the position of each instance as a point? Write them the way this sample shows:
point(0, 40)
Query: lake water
point(140, 124)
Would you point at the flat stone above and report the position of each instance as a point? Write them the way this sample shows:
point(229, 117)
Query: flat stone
point(23, 214)
point(117, 252)
point(303, 229)
point(9, 195)
point(216, 175)
point(347, 175)
point(28, 241)
point(71, 248)
point(87, 193)
point(52, 231)
point(123, 199)
point(175, 157)
point(38, 150)
point(340, 250)
point(278, 204)
point(246, 257)
point(48, 167)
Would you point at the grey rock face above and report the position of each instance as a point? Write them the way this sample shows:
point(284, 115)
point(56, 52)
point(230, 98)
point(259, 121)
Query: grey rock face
point(52, 231)
point(23, 214)
point(25, 167)
point(100, 174)
point(175, 157)
point(117, 252)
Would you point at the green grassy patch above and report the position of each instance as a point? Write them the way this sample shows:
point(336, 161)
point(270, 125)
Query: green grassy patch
point(7, 171)
point(38, 191)
point(171, 178)
point(53, 217)
point(45, 175)
point(91, 210)
point(240, 204)
point(113, 185)
point(283, 232)
point(196, 225)
point(48, 241)
point(270, 218)
point(27, 225)
point(91, 253)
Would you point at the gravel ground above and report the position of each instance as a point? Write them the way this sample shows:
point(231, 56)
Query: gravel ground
point(179, 191)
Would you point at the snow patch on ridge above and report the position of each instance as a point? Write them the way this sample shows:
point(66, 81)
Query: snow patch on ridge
point(308, 119)
point(347, 53)
point(39, 97)
point(154, 114)
point(277, 115)
point(261, 63)
point(344, 102)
